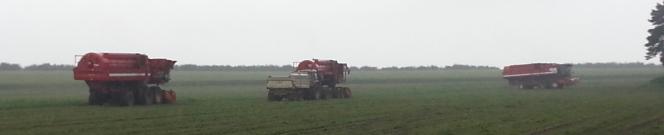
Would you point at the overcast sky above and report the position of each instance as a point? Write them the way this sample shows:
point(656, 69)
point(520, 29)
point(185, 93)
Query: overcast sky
point(359, 32)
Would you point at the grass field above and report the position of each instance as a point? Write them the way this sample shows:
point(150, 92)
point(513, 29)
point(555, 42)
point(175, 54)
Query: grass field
point(607, 101)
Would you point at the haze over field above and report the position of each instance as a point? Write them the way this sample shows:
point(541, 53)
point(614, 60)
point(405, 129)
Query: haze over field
point(360, 32)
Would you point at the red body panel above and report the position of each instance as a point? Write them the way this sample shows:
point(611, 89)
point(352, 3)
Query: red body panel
point(122, 67)
point(332, 71)
point(537, 69)
point(547, 75)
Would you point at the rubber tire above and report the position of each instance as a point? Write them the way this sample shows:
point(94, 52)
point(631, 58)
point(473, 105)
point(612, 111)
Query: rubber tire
point(337, 93)
point(93, 99)
point(554, 85)
point(102, 98)
point(271, 97)
point(294, 97)
point(309, 94)
point(149, 96)
point(324, 93)
point(157, 92)
point(144, 96)
point(170, 97)
point(348, 93)
point(127, 98)
point(560, 86)
point(526, 87)
point(317, 94)
point(340, 93)
point(549, 86)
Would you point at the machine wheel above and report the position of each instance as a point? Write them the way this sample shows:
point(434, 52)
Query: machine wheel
point(158, 99)
point(144, 96)
point(149, 96)
point(169, 97)
point(295, 97)
point(91, 99)
point(338, 92)
point(553, 85)
point(125, 98)
point(526, 87)
point(325, 93)
point(308, 95)
point(559, 86)
point(271, 97)
point(140, 97)
point(156, 93)
point(317, 94)
point(94, 98)
point(549, 86)
point(347, 93)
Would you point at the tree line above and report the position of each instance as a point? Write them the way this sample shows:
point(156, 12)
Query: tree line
point(617, 65)
point(36, 67)
point(192, 67)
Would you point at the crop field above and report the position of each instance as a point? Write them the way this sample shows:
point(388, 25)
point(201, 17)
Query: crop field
point(607, 101)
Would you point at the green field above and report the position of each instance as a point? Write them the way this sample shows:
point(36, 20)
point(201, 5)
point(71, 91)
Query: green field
point(607, 101)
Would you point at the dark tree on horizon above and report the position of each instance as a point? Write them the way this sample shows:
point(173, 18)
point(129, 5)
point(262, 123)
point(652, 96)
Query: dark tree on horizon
point(655, 44)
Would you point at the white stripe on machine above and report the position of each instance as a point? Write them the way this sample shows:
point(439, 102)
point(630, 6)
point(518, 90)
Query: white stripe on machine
point(529, 74)
point(127, 74)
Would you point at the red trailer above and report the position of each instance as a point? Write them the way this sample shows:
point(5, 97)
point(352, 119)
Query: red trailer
point(125, 78)
point(543, 75)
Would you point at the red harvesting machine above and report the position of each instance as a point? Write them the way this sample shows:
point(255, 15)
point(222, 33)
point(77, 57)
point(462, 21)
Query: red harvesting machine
point(311, 80)
point(125, 78)
point(330, 72)
point(542, 75)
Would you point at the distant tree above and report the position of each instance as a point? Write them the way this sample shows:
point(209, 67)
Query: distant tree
point(49, 67)
point(470, 67)
point(354, 68)
point(432, 67)
point(192, 67)
point(9, 67)
point(616, 65)
point(368, 68)
point(392, 68)
point(655, 44)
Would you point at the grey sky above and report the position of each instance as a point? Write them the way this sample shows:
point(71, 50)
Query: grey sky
point(359, 32)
